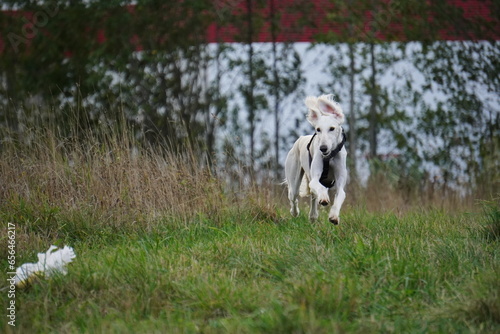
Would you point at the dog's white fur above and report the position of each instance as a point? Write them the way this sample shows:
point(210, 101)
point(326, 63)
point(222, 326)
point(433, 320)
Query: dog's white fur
point(326, 116)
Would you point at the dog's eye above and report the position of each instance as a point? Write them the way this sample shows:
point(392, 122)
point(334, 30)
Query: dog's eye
point(332, 128)
point(318, 130)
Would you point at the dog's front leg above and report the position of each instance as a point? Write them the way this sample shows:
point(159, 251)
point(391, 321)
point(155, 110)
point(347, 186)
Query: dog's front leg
point(317, 189)
point(339, 194)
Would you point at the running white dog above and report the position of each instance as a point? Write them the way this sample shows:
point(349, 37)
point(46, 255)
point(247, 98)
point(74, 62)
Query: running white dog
point(319, 161)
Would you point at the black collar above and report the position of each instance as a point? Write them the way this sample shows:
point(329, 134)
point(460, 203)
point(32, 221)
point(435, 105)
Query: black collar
point(326, 161)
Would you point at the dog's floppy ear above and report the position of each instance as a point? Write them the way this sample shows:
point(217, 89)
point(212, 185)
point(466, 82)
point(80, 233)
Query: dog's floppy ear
point(314, 113)
point(327, 106)
point(313, 116)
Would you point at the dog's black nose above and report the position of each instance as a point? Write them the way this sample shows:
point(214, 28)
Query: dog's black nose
point(323, 148)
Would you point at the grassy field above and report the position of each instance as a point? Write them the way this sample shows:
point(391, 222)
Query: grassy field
point(254, 272)
point(155, 254)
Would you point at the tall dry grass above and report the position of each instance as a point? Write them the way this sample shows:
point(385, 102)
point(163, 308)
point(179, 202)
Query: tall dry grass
point(100, 168)
point(381, 195)
point(105, 173)
point(91, 185)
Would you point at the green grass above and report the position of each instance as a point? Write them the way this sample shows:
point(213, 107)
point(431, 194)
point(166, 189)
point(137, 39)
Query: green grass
point(255, 270)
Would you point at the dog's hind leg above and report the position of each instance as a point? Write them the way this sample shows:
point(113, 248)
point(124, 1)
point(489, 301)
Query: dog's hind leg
point(293, 195)
point(293, 174)
point(313, 213)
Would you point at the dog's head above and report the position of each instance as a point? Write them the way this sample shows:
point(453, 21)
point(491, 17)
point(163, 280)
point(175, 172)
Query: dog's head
point(327, 117)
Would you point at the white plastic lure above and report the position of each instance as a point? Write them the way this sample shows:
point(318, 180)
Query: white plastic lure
point(51, 262)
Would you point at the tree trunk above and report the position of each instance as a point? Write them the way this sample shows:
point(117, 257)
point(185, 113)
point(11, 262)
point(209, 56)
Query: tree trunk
point(276, 93)
point(372, 131)
point(352, 114)
point(251, 103)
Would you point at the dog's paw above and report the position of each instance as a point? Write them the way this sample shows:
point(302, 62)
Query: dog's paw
point(319, 192)
point(324, 202)
point(334, 220)
point(324, 199)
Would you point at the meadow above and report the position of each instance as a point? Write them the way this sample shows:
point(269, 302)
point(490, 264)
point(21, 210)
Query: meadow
point(164, 246)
